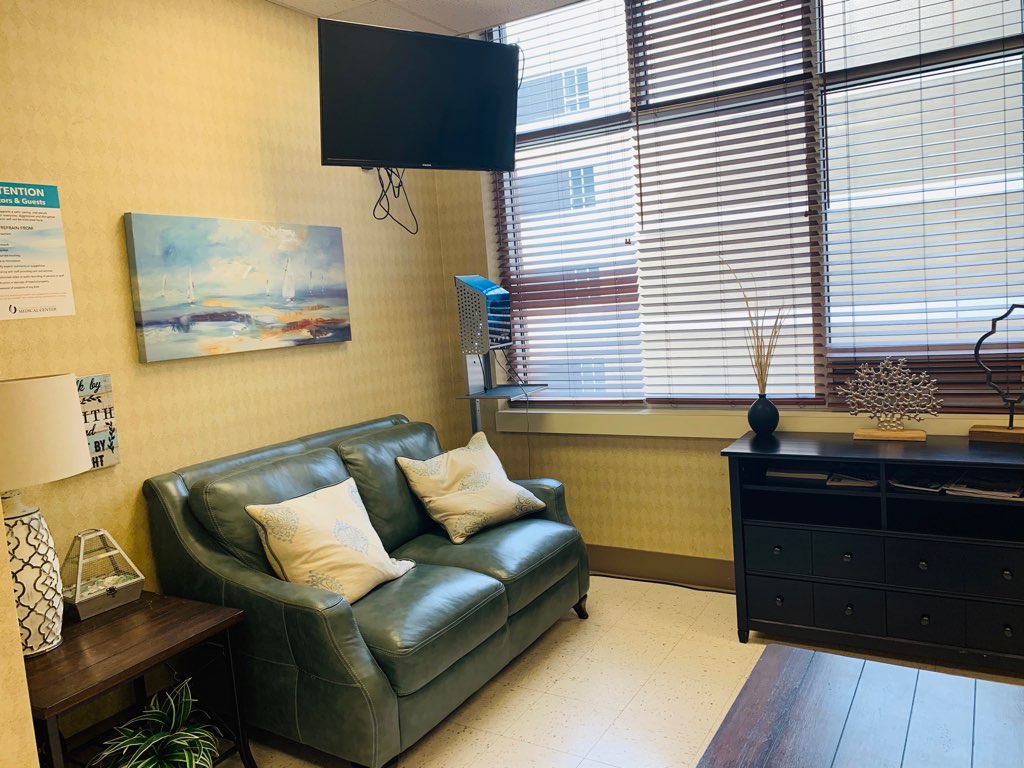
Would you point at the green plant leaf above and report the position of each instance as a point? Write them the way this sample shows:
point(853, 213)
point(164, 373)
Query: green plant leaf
point(169, 733)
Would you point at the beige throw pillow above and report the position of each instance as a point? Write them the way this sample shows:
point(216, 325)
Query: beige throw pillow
point(324, 539)
point(467, 490)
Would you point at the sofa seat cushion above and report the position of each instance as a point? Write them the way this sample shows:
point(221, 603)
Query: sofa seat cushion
point(526, 555)
point(419, 625)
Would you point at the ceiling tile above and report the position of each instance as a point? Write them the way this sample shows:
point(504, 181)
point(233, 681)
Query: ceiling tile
point(463, 16)
point(385, 13)
point(323, 8)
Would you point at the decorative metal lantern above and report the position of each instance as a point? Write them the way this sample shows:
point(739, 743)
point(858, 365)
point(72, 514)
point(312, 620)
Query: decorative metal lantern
point(98, 575)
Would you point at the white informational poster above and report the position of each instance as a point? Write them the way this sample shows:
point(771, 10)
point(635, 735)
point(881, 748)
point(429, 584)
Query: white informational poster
point(35, 280)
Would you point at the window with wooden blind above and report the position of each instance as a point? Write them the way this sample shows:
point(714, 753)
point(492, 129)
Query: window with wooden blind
point(728, 183)
point(858, 162)
point(567, 216)
point(922, 131)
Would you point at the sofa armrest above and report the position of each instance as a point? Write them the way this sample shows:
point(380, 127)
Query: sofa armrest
point(320, 628)
point(285, 623)
point(552, 493)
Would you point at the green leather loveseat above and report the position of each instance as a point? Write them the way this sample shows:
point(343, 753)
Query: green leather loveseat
point(363, 681)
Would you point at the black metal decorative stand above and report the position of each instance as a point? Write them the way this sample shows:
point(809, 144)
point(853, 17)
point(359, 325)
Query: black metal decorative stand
point(985, 432)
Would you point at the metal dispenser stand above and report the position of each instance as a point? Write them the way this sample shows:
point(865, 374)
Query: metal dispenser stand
point(485, 323)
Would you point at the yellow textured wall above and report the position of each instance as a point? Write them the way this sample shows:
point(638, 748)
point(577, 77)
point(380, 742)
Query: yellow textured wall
point(656, 494)
point(205, 108)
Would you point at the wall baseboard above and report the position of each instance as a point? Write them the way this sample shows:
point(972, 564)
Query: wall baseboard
point(684, 570)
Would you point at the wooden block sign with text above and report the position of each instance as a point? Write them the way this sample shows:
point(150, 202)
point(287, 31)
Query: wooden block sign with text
point(97, 397)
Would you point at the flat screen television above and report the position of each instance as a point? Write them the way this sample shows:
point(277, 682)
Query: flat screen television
point(397, 99)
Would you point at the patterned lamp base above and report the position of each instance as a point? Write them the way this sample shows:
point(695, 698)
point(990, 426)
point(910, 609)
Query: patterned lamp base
point(35, 570)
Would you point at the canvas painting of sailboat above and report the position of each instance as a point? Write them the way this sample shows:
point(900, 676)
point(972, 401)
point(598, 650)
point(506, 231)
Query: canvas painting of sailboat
point(214, 286)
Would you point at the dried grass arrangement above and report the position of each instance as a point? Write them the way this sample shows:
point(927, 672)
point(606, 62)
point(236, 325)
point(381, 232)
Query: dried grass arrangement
point(763, 337)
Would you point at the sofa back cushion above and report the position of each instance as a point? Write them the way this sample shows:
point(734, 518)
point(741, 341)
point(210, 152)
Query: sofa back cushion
point(394, 510)
point(218, 502)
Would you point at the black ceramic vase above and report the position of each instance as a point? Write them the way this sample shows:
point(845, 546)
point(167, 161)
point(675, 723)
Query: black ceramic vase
point(763, 416)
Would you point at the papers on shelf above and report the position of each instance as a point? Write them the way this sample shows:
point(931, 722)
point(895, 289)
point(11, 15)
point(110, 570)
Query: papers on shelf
point(921, 480)
point(979, 484)
point(992, 484)
point(988, 485)
point(820, 477)
point(839, 480)
point(797, 475)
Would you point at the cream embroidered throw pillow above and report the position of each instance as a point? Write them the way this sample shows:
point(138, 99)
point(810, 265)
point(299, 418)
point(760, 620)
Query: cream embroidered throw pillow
point(325, 539)
point(467, 490)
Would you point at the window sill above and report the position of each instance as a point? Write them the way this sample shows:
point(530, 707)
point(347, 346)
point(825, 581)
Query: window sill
point(723, 423)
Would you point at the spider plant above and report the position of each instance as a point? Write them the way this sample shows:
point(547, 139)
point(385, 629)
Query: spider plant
point(170, 733)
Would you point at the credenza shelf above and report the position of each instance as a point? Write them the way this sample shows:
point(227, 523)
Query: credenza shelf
point(893, 534)
point(819, 491)
point(931, 575)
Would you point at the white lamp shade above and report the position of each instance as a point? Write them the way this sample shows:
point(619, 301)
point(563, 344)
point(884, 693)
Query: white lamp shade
point(42, 435)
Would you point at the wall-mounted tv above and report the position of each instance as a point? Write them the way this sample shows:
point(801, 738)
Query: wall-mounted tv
point(398, 99)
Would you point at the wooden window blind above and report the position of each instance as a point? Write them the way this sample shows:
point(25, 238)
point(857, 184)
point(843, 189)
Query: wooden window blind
point(567, 214)
point(728, 181)
point(924, 221)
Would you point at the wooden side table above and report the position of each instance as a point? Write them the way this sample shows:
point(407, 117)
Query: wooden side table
point(120, 646)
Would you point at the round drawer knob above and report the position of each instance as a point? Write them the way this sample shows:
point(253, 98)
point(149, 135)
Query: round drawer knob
point(1008, 631)
point(847, 557)
point(848, 610)
point(779, 601)
point(1007, 574)
point(776, 550)
point(923, 565)
point(926, 620)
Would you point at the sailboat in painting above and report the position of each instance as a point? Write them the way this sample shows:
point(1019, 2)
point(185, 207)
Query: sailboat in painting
point(190, 292)
point(288, 285)
point(163, 288)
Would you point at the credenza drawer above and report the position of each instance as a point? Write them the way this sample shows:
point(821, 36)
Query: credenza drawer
point(780, 600)
point(924, 564)
point(925, 618)
point(854, 556)
point(994, 571)
point(782, 550)
point(994, 627)
point(849, 609)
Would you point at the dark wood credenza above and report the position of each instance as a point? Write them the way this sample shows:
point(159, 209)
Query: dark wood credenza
point(884, 569)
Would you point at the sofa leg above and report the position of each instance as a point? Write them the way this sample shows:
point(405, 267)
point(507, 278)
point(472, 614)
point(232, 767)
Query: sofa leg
point(581, 608)
point(392, 763)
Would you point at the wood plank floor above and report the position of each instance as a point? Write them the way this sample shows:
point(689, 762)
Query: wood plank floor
point(810, 709)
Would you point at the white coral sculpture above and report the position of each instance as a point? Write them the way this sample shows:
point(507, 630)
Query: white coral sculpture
point(891, 393)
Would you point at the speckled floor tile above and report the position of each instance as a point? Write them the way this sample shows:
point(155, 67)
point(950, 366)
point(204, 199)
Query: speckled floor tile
point(564, 724)
point(505, 752)
point(625, 747)
point(495, 707)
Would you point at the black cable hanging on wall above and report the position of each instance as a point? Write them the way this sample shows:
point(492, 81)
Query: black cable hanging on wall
point(392, 185)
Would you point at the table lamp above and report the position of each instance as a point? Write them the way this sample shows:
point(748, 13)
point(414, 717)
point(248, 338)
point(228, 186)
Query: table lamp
point(42, 439)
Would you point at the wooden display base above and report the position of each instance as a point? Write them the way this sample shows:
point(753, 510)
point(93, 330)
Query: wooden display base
point(988, 433)
point(902, 435)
